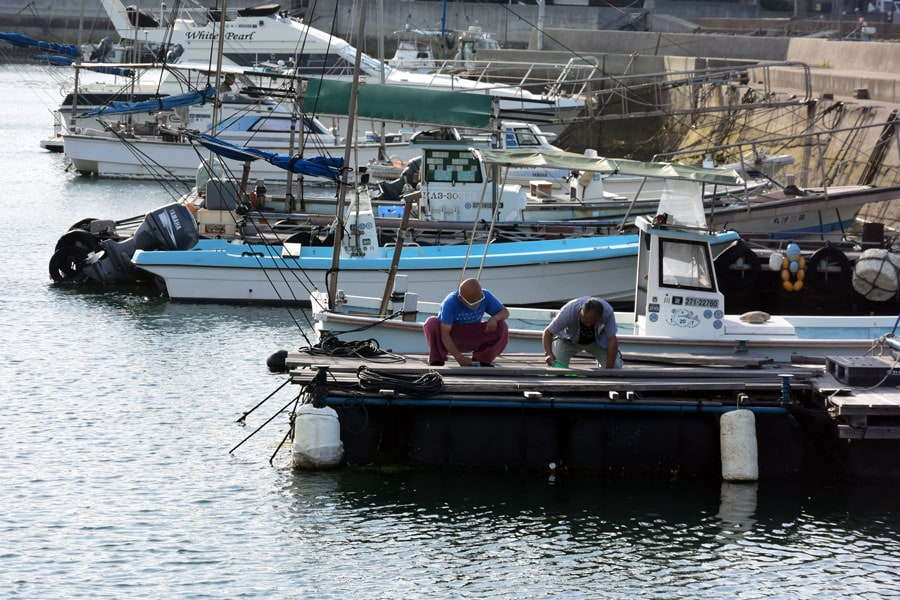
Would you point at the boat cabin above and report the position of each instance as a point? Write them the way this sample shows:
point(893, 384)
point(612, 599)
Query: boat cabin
point(677, 294)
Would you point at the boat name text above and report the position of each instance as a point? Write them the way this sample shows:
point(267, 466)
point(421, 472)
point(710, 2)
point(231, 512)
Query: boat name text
point(229, 36)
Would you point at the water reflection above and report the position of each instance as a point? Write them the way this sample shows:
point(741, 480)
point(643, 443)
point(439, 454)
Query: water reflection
point(737, 506)
point(614, 538)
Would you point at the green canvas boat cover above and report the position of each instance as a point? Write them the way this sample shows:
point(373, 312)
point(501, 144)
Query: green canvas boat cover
point(392, 102)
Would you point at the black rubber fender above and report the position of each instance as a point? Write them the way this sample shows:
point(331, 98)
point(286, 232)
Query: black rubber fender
point(84, 224)
point(66, 265)
point(735, 279)
point(829, 269)
point(80, 239)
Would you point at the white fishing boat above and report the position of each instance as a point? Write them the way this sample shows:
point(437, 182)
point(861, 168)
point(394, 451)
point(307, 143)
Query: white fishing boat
point(679, 307)
point(223, 271)
point(451, 183)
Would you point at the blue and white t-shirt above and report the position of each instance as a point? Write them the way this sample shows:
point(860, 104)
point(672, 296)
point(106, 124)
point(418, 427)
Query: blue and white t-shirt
point(453, 311)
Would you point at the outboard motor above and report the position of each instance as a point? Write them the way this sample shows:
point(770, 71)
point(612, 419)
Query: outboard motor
point(171, 227)
point(393, 190)
point(102, 51)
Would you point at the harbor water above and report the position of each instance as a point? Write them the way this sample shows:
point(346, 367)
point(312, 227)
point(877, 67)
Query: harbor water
point(118, 482)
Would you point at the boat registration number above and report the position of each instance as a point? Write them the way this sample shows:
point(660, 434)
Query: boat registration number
point(705, 302)
point(449, 196)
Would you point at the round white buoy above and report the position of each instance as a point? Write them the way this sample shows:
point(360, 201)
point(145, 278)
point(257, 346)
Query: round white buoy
point(737, 437)
point(875, 275)
point(317, 438)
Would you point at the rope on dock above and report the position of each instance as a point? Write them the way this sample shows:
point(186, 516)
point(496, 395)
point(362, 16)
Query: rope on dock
point(330, 345)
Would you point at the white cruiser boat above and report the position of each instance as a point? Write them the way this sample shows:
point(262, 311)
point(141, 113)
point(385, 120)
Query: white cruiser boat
point(267, 35)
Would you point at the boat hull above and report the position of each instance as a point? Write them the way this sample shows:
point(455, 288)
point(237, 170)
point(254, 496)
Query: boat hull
point(523, 273)
point(816, 212)
point(145, 158)
point(779, 339)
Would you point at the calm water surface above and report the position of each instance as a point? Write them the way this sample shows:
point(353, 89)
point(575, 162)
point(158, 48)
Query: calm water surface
point(117, 481)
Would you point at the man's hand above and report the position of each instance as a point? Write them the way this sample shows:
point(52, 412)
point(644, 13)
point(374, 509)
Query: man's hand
point(490, 325)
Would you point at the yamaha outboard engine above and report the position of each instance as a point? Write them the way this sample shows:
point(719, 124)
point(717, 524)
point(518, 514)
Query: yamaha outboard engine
point(393, 190)
point(171, 227)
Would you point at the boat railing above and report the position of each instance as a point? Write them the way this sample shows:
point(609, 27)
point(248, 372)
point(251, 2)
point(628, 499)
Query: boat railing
point(755, 149)
point(639, 95)
point(549, 79)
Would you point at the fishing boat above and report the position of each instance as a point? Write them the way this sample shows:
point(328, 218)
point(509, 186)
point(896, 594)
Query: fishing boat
point(232, 271)
point(508, 135)
point(225, 271)
point(678, 305)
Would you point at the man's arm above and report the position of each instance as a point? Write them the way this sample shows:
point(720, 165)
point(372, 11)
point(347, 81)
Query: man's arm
point(501, 315)
point(464, 361)
point(547, 341)
point(612, 351)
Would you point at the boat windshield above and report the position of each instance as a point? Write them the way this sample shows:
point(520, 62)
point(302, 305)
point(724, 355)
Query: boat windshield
point(452, 166)
point(685, 265)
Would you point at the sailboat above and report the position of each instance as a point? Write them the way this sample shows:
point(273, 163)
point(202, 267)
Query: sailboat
point(163, 148)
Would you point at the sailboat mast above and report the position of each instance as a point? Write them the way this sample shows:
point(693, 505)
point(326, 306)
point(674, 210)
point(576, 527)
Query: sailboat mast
point(342, 192)
point(220, 52)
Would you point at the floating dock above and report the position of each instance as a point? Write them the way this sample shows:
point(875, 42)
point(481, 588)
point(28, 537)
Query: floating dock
point(660, 415)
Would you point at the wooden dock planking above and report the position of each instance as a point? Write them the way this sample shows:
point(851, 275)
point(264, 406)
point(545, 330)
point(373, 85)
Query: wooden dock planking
point(868, 402)
point(523, 374)
point(530, 364)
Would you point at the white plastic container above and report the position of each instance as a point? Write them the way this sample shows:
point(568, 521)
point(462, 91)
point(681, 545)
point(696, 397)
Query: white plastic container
point(317, 438)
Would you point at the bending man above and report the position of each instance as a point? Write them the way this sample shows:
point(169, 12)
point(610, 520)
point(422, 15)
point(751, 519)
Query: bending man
point(459, 329)
point(587, 324)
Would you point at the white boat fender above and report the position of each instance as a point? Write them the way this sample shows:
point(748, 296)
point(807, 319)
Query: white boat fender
point(737, 438)
point(317, 438)
point(876, 275)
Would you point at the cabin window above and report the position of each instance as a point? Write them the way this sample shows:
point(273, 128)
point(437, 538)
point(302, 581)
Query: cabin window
point(452, 166)
point(525, 137)
point(685, 265)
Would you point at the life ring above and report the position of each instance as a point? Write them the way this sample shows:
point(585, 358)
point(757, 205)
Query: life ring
point(737, 266)
point(829, 269)
point(793, 272)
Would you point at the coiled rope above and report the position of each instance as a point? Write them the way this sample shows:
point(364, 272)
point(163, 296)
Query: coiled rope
point(427, 384)
point(368, 350)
